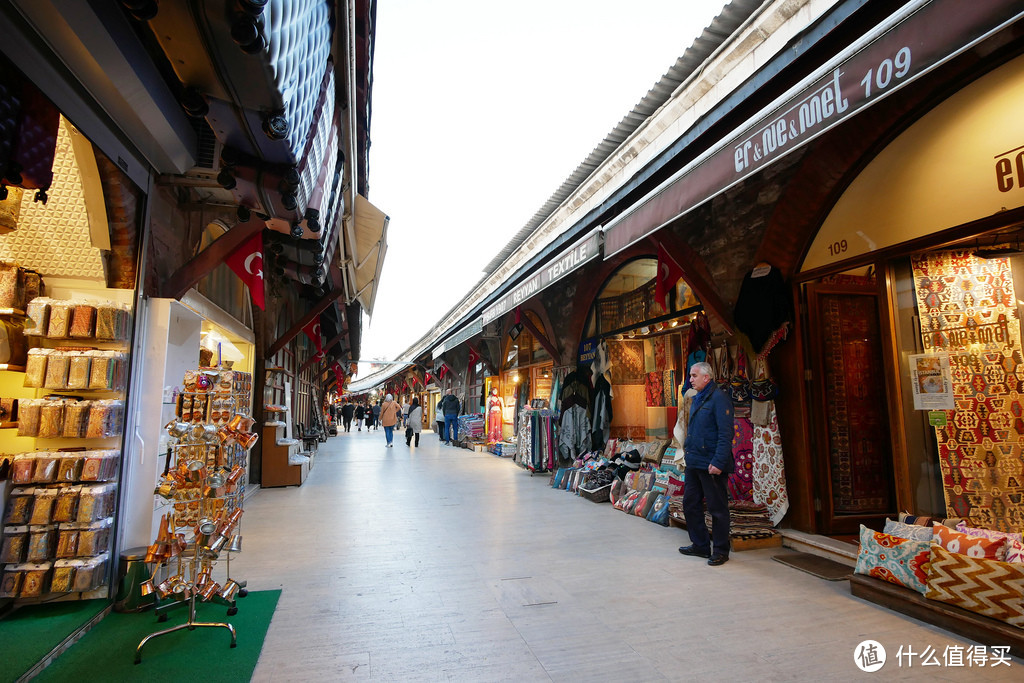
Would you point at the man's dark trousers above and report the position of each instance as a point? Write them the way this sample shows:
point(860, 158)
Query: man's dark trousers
point(698, 485)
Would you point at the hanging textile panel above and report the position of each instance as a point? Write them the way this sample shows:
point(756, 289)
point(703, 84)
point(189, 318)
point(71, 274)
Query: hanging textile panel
point(654, 389)
point(858, 429)
point(656, 424)
point(968, 308)
point(769, 475)
point(741, 481)
point(627, 361)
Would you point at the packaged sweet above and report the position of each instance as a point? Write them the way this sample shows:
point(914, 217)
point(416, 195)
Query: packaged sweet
point(35, 367)
point(40, 544)
point(70, 467)
point(33, 285)
point(107, 327)
point(10, 586)
point(79, 370)
point(99, 465)
point(101, 370)
point(34, 583)
point(95, 502)
point(106, 419)
point(19, 506)
point(67, 540)
point(63, 577)
point(45, 470)
point(58, 366)
point(76, 419)
point(51, 418)
point(12, 285)
point(42, 506)
point(23, 467)
point(83, 321)
point(14, 544)
point(66, 505)
point(90, 574)
point(60, 319)
point(94, 538)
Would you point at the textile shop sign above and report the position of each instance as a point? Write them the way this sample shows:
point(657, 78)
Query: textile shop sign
point(474, 328)
point(566, 262)
point(908, 48)
point(587, 351)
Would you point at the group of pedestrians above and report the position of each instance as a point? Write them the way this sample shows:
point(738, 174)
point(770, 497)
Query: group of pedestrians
point(363, 413)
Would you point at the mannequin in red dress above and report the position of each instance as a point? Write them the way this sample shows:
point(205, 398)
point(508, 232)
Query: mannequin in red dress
point(493, 417)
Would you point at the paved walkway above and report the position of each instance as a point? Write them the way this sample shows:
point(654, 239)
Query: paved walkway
point(439, 564)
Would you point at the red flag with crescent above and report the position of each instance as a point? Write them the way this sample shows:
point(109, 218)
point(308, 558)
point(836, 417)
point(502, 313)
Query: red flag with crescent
point(443, 370)
point(473, 356)
point(427, 378)
point(247, 262)
point(669, 271)
point(312, 331)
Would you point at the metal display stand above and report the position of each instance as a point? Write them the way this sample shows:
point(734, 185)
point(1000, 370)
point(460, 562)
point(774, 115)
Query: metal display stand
point(204, 482)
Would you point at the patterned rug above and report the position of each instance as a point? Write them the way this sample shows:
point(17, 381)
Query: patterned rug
point(769, 475)
point(741, 482)
point(968, 308)
point(855, 393)
point(627, 361)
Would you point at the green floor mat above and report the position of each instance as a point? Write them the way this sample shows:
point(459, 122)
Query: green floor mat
point(29, 633)
point(107, 652)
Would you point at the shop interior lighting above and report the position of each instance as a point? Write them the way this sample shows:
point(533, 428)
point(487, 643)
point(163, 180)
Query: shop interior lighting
point(645, 330)
point(673, 323)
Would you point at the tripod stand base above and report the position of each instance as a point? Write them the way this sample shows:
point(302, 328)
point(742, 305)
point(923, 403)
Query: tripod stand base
point(191, 626)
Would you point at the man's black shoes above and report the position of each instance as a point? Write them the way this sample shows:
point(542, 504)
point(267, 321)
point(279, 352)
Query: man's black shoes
point(694, 552)
point(716, 560)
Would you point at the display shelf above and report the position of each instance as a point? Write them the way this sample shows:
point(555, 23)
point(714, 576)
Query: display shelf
point(11, 311)
point(12, 368)
point(8, 425)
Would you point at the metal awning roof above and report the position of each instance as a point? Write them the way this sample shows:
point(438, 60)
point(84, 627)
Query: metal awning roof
point(377, 378)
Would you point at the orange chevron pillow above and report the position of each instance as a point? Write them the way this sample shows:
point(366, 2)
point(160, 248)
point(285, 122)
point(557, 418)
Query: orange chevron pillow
point(975, 546)
point(988, 587)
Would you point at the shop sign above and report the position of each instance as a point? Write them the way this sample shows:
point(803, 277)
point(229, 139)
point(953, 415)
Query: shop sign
point(565, 263)
point(467, 332)
point(937, 418)
point(931, 381)
point(849, 83)
point(588, 350)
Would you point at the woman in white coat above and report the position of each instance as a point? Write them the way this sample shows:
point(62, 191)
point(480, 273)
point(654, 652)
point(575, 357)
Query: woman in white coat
point(414, 423)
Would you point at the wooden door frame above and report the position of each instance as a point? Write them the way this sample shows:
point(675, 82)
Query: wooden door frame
point(826, 519)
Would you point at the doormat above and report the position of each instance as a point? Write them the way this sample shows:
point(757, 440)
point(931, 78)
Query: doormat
point(31, 632)
point(821, 567)
point(107, 652)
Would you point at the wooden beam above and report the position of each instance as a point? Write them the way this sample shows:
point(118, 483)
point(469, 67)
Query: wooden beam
point(203, 263)
point(525, 319)
point(696, 274)
point(328, 345)
point(313, 312)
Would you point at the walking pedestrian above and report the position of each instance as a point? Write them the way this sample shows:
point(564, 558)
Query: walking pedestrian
point(450, 407)
point(439, 419)
point(376, 415)
point(709, 461)
point(360, 412)
point(414, 423)
point(347, 410)
point(389, 414)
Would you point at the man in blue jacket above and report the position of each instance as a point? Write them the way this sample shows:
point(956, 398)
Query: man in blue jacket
point(708, 450)
point(450, 407)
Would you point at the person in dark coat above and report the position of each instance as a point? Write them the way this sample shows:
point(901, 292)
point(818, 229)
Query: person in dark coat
point(347, 410)
point(709, 461)
point(360, 414)
point(450, 408)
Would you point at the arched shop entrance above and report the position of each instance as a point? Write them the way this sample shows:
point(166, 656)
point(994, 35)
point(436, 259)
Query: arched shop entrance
point(912, 291)
point(645, 345)
point(526, 371)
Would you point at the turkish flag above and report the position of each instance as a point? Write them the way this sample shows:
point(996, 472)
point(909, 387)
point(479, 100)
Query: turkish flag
point(473, 356)
point(312, 331)
point(669, 271)
point(247, 262)
point(443, 370)
point(427, 378)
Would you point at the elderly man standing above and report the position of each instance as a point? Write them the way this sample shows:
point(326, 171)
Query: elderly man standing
point(709, 461)
point(450, 408)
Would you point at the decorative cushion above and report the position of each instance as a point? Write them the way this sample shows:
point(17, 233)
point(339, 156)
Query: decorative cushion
point(988, 587)
point(1015, 552)
point(974, 546)
point(988, 533)
point(911, 532)
point(901, 561)
point(917, 520)
point(654, 450)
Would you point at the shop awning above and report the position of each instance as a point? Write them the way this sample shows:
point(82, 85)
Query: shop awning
point(474, 328)
point(371, 227)
point(377, 378)
point(908, 45)
point(565, 262)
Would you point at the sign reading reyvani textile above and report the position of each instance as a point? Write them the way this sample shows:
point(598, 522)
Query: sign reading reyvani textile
point(566, 262)
point(462, 335)
point(907, 48)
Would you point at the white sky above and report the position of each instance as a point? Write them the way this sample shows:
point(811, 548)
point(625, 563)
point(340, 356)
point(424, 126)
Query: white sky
point(480, 111)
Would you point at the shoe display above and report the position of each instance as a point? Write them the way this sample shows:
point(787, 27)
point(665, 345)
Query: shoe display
point(717, 560)
point(694, 552)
